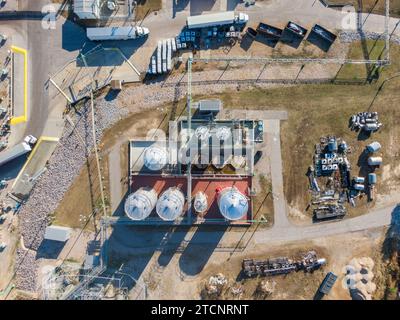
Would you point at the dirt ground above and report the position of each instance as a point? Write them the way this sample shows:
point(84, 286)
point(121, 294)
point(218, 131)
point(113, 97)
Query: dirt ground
point(146, 7)
point(185, 275)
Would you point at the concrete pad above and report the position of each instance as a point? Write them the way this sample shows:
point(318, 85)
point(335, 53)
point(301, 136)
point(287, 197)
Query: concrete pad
point(18, 85)
point(34, 166)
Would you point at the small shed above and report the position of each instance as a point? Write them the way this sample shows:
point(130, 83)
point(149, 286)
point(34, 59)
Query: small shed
point(56, 233)
point(211, 105)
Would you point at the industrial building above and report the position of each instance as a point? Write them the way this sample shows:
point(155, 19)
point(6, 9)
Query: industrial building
point(202, 174)
point(87, 9)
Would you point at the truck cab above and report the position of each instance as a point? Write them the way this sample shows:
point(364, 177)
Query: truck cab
point(242, 18)
point(31, 140)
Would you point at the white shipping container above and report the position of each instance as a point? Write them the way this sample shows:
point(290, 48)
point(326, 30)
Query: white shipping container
point(159, 64)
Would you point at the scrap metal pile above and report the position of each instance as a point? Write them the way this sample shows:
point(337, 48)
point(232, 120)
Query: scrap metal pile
point(281, 265)
point(367, 121)
point(332, 167)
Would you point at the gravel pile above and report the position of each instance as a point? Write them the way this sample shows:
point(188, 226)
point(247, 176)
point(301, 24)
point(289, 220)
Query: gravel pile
point(351, 36)
point(63, 167)
point(26, 270)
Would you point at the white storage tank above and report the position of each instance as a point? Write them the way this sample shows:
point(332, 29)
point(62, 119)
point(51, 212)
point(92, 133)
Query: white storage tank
point(359, 179)
point(374, 146)
point(200, 203)
point(170, 205)
point(375, 161)
point(155, 158)
point(223, 133)
point(139, 205)
point(232, 204)
point(372, 178)
point(359, 187)
point(202, 133)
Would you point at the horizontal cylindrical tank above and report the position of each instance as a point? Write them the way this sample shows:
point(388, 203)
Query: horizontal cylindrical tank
point(170, 205)
point(359, 186)
point(139, 205)
point(371, 127)
point(155, 158)
point(359, 179)
point(200, 202)
point(232, 204)
point(375, 161)
point(374, 146)
point(372, 178)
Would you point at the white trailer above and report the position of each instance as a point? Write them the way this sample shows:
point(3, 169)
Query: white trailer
point(216, 19)
point(116, 33)
point(159, 62)
point(169, 55)
point(164, 56)
point(14, 152)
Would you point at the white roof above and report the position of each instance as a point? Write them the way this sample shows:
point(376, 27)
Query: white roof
point(212, 17)
point(86, 6)
point(56, 233)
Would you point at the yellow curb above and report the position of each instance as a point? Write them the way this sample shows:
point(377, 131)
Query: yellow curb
point(23, 118)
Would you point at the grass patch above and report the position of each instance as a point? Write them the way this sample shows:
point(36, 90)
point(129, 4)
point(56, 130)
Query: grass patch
point(369, 50)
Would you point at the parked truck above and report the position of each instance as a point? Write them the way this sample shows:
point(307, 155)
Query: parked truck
point(116, 33)
point(216, 19)
point(18, 150)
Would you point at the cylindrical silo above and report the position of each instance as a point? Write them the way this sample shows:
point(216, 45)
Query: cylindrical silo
point(139, 205)
point(372, 178)
point(170, 205)
point(200, 203)
point(155, 158)
point(232, 204)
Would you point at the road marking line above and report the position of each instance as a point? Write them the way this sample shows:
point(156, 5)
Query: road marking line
point(24, 118)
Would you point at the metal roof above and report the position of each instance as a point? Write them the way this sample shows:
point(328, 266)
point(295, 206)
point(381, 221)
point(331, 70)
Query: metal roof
point(219, 17)
point(86, 6)
point(56, 233)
